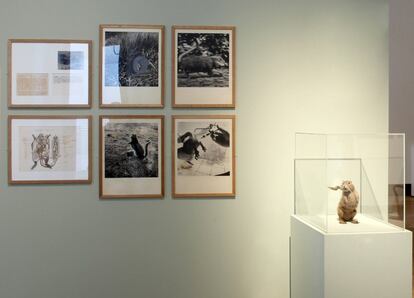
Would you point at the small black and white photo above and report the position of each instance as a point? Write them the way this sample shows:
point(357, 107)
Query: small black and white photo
point(70, 60)
point(203, 148)
point(203, 59)
point(131, 59)
point(131, 149)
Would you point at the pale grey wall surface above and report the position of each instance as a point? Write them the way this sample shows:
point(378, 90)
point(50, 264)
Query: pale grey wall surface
point(402, 77)
point(302, 65)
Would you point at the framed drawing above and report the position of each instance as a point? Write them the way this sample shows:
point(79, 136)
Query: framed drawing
point(131, 156)
point(203, 151)
point(203, 66)
point(131, 72)
point(49, 73)
point(49, 149)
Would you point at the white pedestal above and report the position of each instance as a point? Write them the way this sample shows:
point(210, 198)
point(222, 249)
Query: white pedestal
point(345, 265)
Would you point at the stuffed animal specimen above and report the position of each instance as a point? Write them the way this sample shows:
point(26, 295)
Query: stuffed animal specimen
point(348, 204)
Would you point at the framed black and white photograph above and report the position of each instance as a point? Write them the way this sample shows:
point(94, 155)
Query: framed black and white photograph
point(131, 156)
point(49, 149)
point(49, 73)
point(131, 66)
point(203, 156)
point(203, 66)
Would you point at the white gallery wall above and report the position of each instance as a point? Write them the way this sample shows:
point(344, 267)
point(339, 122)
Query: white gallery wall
point(401, 117)
point(313, 66)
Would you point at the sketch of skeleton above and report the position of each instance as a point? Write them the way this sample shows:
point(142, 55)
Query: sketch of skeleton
point(44, 152)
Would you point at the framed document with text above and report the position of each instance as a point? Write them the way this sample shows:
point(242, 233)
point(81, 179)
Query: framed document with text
point(49, 73)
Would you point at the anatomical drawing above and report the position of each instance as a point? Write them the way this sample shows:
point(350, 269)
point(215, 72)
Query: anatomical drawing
point(203, 149)
point(45, 150)
point(203, 59)
point(348, 204)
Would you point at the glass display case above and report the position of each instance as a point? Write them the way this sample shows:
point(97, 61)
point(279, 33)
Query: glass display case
point(375, 163)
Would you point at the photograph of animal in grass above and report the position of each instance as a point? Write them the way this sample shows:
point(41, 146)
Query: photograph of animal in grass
point(203, 59)
point(131, 59)
point(131, 149)
point(203, 148)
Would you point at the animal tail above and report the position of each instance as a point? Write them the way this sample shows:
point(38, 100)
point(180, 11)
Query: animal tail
point(194, 46)
point(146, 149)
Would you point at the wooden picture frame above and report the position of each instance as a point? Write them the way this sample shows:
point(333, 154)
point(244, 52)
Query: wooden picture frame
point(131, 154)
point(139, 81)
point(203, 156)
point(203, 66)
point(49, 149)
point(62, 79)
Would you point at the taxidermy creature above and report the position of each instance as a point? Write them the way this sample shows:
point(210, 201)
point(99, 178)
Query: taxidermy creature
point(219, 135)
point(43, 152)
point(139, 150)
point(347, 207)
point(189, 150)
point(194, 63)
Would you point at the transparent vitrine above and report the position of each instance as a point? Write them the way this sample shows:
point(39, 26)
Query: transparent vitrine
point(375, 163)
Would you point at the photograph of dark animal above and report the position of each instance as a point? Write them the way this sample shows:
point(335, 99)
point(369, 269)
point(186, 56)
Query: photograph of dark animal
point(203, 149)
point(140, 152)
point(203, 59)
point(131, 59)
point(131, 150)
point(348, 204)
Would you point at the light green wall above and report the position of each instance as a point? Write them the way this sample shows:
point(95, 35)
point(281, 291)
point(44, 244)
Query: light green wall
point(302, 65)
point(402, 78)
